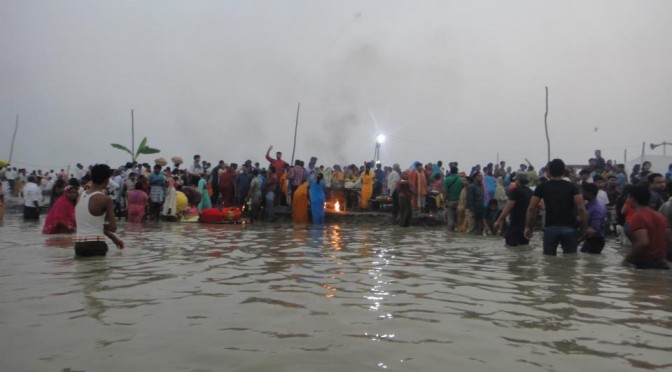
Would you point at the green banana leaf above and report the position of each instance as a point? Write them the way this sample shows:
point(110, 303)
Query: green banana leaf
point(121, 147)
point(147, 150)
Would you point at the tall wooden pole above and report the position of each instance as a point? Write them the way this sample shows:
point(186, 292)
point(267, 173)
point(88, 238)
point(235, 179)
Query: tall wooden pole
point(548, 140)
point(11, 149)
point(132, 135)
point(296, 127)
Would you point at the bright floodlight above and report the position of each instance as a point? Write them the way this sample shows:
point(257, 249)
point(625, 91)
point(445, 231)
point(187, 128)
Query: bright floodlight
point(380, 138)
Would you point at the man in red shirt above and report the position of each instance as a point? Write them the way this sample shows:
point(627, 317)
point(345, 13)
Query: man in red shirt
point(279, 166)
point(277, 163)
point(649, 232)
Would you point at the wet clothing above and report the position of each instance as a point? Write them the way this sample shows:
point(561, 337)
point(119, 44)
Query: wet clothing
point(593, 245)
point(597, 217)
point(137, 204)
point(90, 240)
point(300, 204)
point(317, 199)
point(91, 248)
point(656, 226)
point(61, 217)
point(514, 235)
point(405, 204)
point(558, 197)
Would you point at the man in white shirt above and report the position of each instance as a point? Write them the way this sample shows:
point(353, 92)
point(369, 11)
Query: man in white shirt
point(32, 197)
point(602, 196)
point(79, 172)
point(195, 169)
point(10, 175)
point(392, 182)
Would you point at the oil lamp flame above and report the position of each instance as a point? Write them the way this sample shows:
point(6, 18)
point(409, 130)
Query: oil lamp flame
point(337, 206)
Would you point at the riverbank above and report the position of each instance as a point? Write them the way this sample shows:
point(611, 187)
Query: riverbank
point(14, 205)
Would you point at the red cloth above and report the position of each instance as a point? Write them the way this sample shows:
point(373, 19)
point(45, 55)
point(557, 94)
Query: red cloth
point(61, 217)
point(656, 224)
point(214, 215)
point(226, 186)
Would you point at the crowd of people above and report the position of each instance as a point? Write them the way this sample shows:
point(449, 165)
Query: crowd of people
point(572, 205)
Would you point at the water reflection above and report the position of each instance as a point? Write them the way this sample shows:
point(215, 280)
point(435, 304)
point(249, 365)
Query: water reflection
point(334, 297)
point(91, 273)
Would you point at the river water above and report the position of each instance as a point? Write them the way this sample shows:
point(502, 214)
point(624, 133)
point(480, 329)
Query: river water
point(190, 297)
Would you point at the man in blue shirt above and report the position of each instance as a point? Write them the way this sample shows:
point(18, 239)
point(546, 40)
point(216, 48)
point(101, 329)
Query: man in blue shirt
point(157, 182)
point(597, 214)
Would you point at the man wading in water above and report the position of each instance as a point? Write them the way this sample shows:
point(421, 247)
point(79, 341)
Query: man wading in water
point(92, 210)
point(563, 203)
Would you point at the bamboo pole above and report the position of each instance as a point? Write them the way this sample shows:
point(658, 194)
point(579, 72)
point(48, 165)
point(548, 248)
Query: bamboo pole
point(132, 135)
point(548, 140)
point(296, 127)
point(11, 149)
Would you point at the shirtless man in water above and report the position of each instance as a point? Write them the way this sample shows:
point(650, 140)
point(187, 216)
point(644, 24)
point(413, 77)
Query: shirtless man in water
point(95, 216)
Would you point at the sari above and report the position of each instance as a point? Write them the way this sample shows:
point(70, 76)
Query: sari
point(367, 188)
point(461, 211)
point(205, 199)
point(137, 204)
point(317, 199)
point(170, 204)
point(300, 204)
point(489, 187)
point(61, 217)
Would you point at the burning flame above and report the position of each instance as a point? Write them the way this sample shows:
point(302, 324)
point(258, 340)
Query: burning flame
point(337, 206)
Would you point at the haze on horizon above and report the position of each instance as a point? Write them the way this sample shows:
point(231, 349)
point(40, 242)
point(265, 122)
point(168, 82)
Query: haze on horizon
point(449, 80)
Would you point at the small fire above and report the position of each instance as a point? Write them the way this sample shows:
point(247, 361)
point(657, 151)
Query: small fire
point(337, 206)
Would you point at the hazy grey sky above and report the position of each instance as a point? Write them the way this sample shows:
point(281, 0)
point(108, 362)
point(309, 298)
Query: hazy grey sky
point(449, 80)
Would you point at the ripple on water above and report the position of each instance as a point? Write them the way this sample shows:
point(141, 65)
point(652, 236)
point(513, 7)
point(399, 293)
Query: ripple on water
point(188, 297)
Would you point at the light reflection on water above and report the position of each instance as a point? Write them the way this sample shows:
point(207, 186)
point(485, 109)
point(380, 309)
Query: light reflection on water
point(270, 297)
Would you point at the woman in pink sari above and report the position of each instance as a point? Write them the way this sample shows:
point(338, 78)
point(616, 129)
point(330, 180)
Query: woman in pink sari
point(137, 203)
point(61, 217)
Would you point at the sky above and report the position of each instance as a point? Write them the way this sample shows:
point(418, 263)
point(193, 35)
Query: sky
point(442, 80)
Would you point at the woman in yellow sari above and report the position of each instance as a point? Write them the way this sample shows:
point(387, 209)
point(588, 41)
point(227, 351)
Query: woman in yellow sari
point(367, 186)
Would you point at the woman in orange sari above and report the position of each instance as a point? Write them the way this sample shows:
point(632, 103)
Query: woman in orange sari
point(367, 186)
point(300, 205)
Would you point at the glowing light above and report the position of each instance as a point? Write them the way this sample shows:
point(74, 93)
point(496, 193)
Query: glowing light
point(337, 206)
point(380, 139)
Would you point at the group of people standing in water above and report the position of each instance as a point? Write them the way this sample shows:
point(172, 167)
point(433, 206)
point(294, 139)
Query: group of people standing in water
point(488, 200)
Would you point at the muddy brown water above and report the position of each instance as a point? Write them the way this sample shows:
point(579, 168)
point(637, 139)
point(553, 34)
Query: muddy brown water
point(270, 297)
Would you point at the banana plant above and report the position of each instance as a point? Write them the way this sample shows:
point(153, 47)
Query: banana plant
point(143, 149)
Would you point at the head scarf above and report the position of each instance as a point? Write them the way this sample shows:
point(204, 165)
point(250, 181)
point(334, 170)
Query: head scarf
point(61, 217)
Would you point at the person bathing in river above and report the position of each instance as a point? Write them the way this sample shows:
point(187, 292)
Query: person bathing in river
point(317, 199)
point(61, 217)
point(92, 210)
